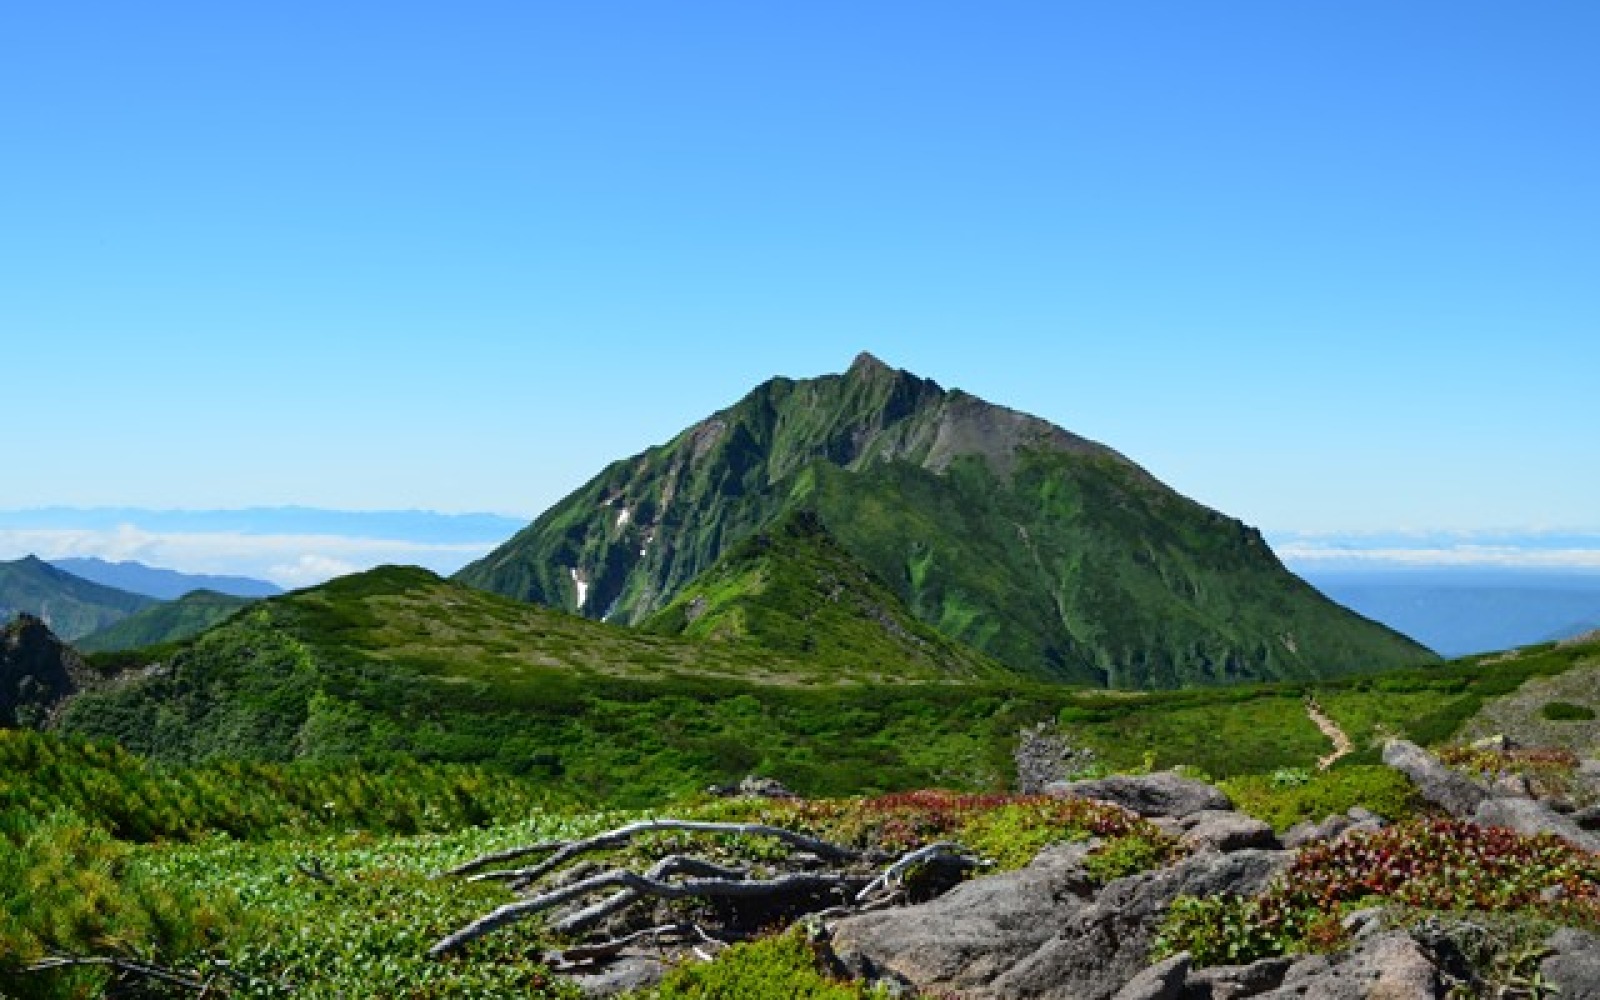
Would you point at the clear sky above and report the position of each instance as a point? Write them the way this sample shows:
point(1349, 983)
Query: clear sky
point(1327, 266)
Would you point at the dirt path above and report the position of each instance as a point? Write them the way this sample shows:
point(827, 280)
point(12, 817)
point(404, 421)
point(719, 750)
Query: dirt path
point(1330, 729)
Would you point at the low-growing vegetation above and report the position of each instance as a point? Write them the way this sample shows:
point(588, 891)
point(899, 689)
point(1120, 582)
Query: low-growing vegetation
point(1424, 864)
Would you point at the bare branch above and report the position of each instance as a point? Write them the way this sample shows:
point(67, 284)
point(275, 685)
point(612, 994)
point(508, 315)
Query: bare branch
point(124, 965)
point(944, 852)
point(563, 853)
point(499, 857)
point(609, 949)
point(690, 888)
point(675, 864)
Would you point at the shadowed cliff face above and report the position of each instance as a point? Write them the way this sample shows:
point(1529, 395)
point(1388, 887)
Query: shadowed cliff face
point(37, 671)
point(1054, 554)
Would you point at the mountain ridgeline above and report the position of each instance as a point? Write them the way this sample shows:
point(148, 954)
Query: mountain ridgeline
point(1050, 553)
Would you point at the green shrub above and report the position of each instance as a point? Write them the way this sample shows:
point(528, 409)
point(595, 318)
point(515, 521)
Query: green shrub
point(1381, 789)
point(1131, 854)
point(1566, 711)
point(1430, 865)
point(783, 967)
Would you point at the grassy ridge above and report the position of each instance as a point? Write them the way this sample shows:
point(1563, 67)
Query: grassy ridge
point(398, 664)
point(169, 621)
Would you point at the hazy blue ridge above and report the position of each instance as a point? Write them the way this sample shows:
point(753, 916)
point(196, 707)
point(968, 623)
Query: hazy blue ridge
point(162, 584)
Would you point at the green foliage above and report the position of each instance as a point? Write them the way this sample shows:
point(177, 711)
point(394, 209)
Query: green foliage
point(1005, 829)
point(1566, 711)
point(1432, 865)
point(793, 590)
point(136, 800)
point(781, 967)
point(1132, 853)
point(1381, 789)
point(66, 887)
point(169, 621)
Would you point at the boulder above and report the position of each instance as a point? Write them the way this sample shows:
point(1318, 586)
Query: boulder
point(1532, 818)
point(1164, 793)
point(1382, 967)
point(964, 939)
point(1105, 944)
point(1307, 832)
point(764, 788)
point(1587, 818)
point(1162, 981)
point(1229, 982)
point(1452, 791)
point(1573, 966)
point(1212, 829)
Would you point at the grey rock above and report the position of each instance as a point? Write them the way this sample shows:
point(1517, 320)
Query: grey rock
point(1362, 922)
point(1512, 786)
point(1383, 967)
point(1162, 981)
point(1227, 831)
point(1529, 817)
point(1229, 982)
point(1587, 818)
point(1573, 966)
point(1361, 814)
point(1108, 942)
point(625, 975)
point(765, 788)
point(1455, 793)
point(975, 932)
point(1164, 793)
point(1307, 832)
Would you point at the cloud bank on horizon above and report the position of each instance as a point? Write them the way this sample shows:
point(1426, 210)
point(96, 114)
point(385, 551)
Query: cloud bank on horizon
point(303, 546)
point(1547, 551)
point(291, 546)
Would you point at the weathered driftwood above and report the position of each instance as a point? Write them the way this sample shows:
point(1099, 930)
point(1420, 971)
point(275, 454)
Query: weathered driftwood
point(562, 852)
point(675, 864)
point(944, 852)
point(600, 951)
point(125, 966)
point(679, 876)
point(690, 888)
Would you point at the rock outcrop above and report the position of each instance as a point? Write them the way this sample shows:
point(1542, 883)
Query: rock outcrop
point(37, 672)
point(1165, 793)
point(1450, 790)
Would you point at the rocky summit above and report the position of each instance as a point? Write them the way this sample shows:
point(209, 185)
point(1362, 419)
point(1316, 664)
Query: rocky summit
point(1053, 554)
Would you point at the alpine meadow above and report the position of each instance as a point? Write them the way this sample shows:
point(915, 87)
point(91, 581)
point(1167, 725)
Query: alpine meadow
point(723, 501)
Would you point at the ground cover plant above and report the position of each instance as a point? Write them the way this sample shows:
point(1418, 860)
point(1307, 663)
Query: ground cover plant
point(1421, 865)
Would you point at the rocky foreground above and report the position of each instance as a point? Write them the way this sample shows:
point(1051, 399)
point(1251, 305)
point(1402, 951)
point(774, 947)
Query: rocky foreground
point(1049, 932)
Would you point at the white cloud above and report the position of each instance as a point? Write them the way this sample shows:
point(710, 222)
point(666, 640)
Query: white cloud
point(288, 560)
point(1312, 554)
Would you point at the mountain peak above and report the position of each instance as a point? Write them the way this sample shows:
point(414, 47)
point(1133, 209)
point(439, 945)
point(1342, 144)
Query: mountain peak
point(867, 364)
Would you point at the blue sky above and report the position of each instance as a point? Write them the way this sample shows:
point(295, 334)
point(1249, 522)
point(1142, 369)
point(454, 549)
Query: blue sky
point(1329, 267)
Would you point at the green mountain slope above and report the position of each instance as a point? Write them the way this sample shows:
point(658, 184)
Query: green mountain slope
point(795, 590)
point(168, 621)
point(72, 607)
point(1051, 553)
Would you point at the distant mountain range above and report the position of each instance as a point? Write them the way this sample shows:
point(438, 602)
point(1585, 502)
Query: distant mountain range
point(97, 617)
point(162, 584)
point(1048, 552)
point(69, 605)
